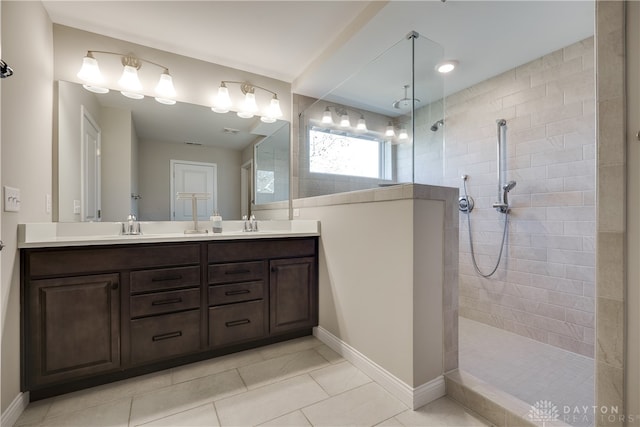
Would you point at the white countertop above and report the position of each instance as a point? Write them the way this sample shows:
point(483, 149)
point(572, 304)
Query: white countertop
point(56, 234)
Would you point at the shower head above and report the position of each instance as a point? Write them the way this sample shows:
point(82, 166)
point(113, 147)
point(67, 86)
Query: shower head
point(437, 125)
point(509, 186)
point(404, 102)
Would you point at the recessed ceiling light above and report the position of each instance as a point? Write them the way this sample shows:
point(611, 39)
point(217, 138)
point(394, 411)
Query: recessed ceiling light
point(446, 66)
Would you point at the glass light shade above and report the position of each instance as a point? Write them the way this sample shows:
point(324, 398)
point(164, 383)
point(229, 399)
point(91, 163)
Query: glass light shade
point(129, 79)
point(132, 95)
point(344, 121)
point(403, 133)
point(327, 118)
point(90, 72)
point(96, 89)
point(390, 131)
point(222, 102)
point(165, 101)
point(249, 106)
point(165, 88)
point(362, 124)
point(273, 112)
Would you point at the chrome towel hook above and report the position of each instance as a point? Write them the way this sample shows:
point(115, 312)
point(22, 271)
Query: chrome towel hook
point(5, 70)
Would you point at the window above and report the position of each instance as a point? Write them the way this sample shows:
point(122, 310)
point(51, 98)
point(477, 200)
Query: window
point(342, 154)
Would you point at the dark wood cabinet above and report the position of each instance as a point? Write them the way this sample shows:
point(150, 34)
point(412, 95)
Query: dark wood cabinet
point(293, 294)
point(74, 327)
point(100, 313)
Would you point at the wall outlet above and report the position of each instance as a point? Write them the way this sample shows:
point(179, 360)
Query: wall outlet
point(47, 203)
point(296, 213)
point(11, 199)
point(76, 207)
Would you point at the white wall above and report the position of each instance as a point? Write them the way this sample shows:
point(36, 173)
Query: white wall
point(381, 274)
point(27, 100)
point(154, 177)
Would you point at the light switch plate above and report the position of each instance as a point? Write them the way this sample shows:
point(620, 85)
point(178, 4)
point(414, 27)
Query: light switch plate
point(76, 206)
point(47, 203)
point(11, 199)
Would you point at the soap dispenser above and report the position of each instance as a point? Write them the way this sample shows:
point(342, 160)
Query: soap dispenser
point(216, 221)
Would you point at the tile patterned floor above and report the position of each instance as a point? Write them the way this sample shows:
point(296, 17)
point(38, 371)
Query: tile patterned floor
point(296, 383)
point(529, 370)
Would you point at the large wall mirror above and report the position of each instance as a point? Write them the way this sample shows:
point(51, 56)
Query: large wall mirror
point(117, 156)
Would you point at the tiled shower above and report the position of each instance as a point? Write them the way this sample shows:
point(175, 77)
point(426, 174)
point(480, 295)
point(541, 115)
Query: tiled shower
point(544, 288)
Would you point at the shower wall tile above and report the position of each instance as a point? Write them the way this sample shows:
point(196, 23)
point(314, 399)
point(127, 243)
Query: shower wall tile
point(544, 288)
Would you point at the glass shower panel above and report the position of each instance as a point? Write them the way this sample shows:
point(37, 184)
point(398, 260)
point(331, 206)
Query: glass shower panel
point(361, 134)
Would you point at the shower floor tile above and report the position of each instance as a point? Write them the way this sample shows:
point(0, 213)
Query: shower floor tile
point(529, 370)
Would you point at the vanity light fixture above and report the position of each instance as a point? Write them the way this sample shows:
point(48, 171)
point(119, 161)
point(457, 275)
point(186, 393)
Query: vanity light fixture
point(390, 132)
point(403, 133)
point(249, 107)
point(344, 120)
point(129, 81)
point(327, 117)
point(343, 114)
point(446, 66)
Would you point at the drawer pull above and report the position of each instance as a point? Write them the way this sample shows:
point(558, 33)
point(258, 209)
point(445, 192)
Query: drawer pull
point(167, 301)
point(238, 292)
point(240, 271)
point(237, 323)
point(167, 336)
point(166, 279)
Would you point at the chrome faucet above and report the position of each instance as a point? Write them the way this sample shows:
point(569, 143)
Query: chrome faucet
point(250, 224)
point(131, 227)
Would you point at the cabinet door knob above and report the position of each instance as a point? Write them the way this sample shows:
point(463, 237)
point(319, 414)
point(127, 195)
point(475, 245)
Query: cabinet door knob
point(114, 286)
point(274, 269)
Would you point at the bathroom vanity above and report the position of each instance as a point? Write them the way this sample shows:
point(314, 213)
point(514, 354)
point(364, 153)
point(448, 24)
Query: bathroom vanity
point(98, 312)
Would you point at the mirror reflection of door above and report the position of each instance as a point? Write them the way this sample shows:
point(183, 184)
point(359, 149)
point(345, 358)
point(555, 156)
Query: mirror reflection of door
point(246, 188)
point(193, 177)
point(90, 208)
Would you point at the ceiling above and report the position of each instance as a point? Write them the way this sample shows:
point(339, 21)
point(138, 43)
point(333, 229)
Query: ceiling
point(317, 45)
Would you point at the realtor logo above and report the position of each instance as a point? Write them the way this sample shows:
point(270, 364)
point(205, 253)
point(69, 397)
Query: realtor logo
point(544, 411)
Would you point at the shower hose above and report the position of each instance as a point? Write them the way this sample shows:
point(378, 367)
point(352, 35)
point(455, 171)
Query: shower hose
point(504, 236)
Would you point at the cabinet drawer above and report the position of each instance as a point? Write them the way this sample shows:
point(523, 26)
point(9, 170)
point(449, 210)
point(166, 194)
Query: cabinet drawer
point(236, 272)
point(164, 302)
point(164, 279)
point(65, 261)
point(236, 322)
point(165, 336)
point(237, 292)
point(260, 249)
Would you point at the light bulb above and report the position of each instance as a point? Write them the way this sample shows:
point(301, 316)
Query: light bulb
point(327, 118)
point(362, 125)
point(96, 89)
point(390, 130)
point(165, 90)
point(344, 120)
point(249, 106)
point(273, 112)
point(222, 102)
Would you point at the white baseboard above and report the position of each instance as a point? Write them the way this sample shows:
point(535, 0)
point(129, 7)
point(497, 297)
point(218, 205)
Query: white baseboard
point(13, 412)
point(410, 396)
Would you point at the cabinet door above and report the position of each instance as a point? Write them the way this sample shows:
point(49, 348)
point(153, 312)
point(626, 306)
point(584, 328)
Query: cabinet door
point(293, 293)
point(74, 327)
